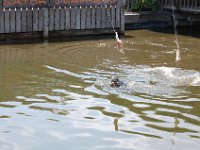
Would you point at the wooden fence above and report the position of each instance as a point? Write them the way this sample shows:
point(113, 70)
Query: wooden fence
point(181, 5)
point(45, 19)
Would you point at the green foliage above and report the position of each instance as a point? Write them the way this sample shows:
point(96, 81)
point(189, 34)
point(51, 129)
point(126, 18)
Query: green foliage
point(144, 5)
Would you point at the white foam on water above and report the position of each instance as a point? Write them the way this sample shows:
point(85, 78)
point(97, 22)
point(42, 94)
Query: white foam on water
point(161, 81)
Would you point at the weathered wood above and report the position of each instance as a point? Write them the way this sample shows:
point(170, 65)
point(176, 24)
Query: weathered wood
point(35, 20)
point(122, 20)
point(7, 21)
point(57, 18)
point(88, 18)
point(2, 21)
point(29, 20)
point(83, 17)
point(98, 17)
point(73, 18)
point(24, 20)
point(41, 20)
point(12, 20)
point(18, 21)
point(93, 25)
point(51, 19)
point(68, 20)
point(113, 15)
point(78, 18)
point(118, 14)
point(46, 19)
point(62, 19)
point(109, 19)
point(46, 22)
point(103, 18)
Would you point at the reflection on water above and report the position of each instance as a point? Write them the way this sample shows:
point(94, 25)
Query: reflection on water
point(57, 95)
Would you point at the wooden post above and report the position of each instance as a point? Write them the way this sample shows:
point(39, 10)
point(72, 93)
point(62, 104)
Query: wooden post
point(83, 17)
point(117, 21)
point(1, 21)
point(7, 21)
point(67, 18)
point(51, 19)
point(29, 20)
point(23, 11)
point(103, 17)
point(78, 18)
point(73, 18)
point(35, 20)
point(93, 18)
point(113, 15)
point(98, 17)
point(122, 20)
point(57, 18)
point(41, 20)
point(46, 23)
point(88, 18)
point(62, 18)
point(18, 21)
point(12, 20)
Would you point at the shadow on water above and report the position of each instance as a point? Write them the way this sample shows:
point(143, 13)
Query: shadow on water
point(61, 39)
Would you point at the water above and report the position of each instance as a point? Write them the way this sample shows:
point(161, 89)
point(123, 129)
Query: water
point(56, 95)
point(178, 51)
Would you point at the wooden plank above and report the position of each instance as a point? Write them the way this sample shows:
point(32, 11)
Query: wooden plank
point(2, 21)
point(57, 18)
point(103, 18)
point(29, 20)
point(78, 18)
point(98, 17)
point(113, 15)
point(88, 18)
point(73, 18)
point(67, 20)
point(7, 21)
point(24, 28)
point(18, 20)
point(122, 19)
point(35, 20)
point(83, 17)
point(41, 20)
point(51, 19)
point(117, 23)
point(93, 18)
point(62, 18)
point(109, 19)
point(46, 22)
point(12, 20)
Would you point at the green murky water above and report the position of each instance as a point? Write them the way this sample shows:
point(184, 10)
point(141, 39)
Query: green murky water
point(56, 95)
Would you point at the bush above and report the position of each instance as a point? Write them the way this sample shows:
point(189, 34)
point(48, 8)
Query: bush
point(144, 5)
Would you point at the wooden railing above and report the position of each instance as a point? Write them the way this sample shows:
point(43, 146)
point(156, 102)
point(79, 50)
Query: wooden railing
point(181, 5)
